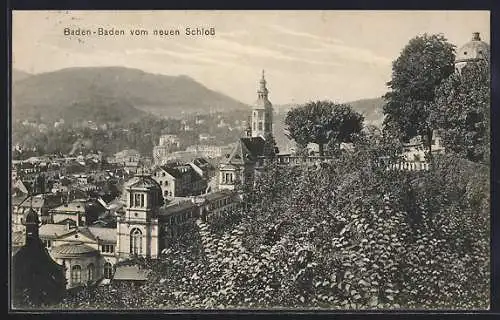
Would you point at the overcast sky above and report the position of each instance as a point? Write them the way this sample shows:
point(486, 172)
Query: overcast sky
point(307, 55)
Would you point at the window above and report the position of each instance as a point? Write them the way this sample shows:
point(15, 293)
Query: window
point(137, 199)
point(90, 272)
point(135, 241)
point(165, 183)
point(260, 125)
point(76, 274)
point(47, 244)
point(108, 270)
point(142, 201)
point(108, 248)
point(163, 174)
point(165, 193)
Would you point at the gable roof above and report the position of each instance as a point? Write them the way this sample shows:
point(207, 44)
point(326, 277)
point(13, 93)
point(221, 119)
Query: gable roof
point(246, 151)
point(180, 171)
point(73, 206)
point(41, 201)
point(19, 185)
point(104, 234)
point(53, 231)
point(98, 234)
point(143, 182)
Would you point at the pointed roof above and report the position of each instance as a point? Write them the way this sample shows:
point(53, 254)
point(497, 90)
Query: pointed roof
point(262, 101)
point(246, 151)
point(142, 182)
point(35, 272)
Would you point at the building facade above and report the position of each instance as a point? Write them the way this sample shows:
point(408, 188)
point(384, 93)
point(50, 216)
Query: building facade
point(239, 168)
point(262, 112)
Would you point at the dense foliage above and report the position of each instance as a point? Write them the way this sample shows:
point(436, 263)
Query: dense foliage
point(423, 64)
point(323, 122)
point(110, 137)
point(343, 235)
point(462, 112)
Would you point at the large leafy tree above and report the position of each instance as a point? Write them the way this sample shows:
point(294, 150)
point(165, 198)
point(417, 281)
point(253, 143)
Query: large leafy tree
point(422, 66)
point(462, 111)
point(323, 122)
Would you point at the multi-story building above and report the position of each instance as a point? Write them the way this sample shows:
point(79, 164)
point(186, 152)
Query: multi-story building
point(168, 143)
point(239, 167)
point(210, 151)
point(147, 226)
point(179, 180)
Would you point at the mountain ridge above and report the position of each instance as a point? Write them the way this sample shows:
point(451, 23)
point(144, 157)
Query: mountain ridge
point(55, 92)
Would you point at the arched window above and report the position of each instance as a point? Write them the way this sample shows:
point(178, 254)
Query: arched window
point(135, 241)
point(76, 274)
point(108, 270)
point(90, 272)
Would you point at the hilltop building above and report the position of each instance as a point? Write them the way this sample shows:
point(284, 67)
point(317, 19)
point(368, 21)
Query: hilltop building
point(472, 51)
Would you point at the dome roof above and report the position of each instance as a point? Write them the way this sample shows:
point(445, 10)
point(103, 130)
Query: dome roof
point(73, 250)
point(473, 50)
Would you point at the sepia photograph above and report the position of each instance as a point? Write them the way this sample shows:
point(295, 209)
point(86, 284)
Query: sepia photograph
point(250, 160)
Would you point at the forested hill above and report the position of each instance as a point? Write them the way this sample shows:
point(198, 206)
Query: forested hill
point(112, 93)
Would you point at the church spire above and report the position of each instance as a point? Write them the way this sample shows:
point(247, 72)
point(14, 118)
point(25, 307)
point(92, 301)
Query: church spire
point(263, 90)
point(31, 221)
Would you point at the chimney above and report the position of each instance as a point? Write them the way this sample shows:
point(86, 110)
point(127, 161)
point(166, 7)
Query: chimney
point(475, 36)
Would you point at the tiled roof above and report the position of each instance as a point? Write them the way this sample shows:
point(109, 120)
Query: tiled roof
point(130, 273)
point(53, 230)
point(246, 151)
point(255, 145)
point(74, 206)
point(179, 171)
point(178, 207)
point(143, 181)
point(72, 249)
point(41, 201)
point(18, 237)
point(104, 234)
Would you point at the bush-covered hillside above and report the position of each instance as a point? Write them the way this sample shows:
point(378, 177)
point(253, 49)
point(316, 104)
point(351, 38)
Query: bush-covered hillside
point(339, 236)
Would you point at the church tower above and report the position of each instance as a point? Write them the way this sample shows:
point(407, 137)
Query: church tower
point(138, 230)
point(262, 112)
